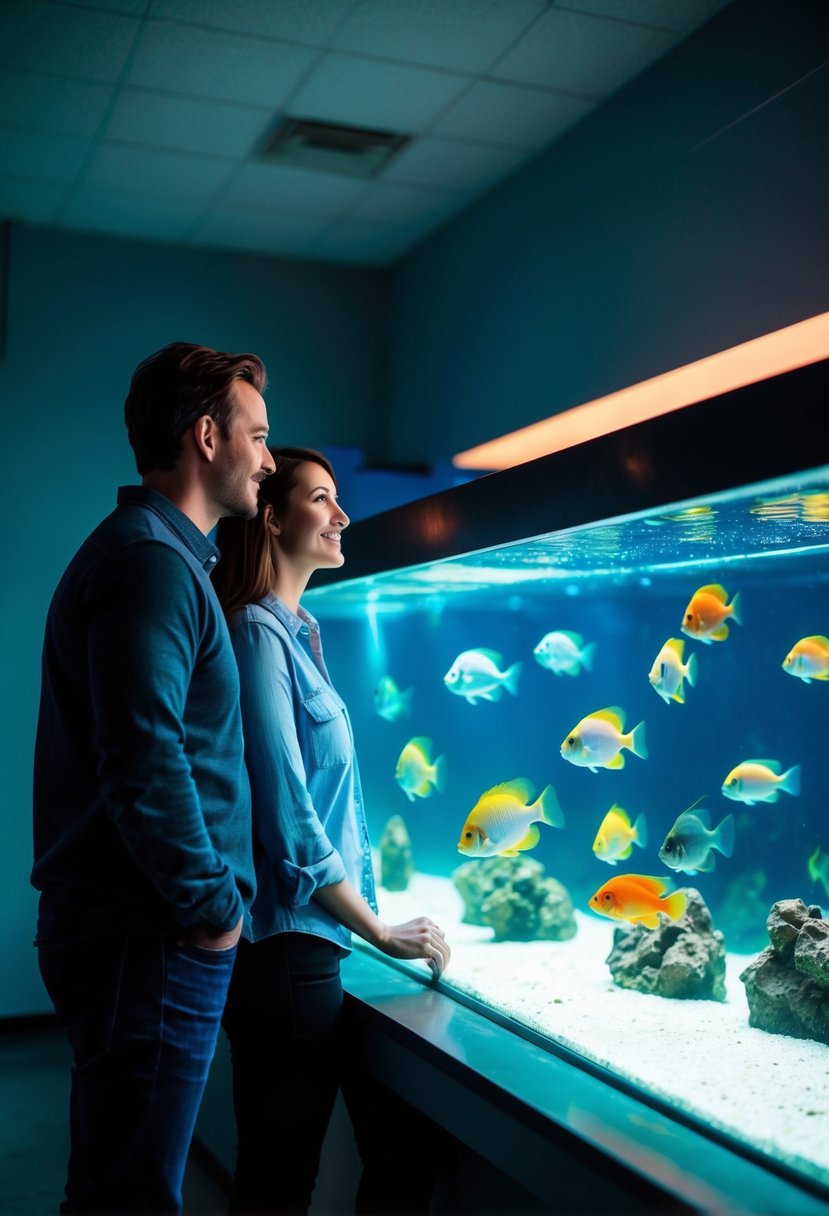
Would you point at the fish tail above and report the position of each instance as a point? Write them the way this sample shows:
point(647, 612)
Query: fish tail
point(587, 656)
point(440, 774)
point(674, 906)
point(790, 781)
point(691, 673)
point(551, 812)
point(511, 677)
point(737, 609)
point(640, 828)
point(637, 742)
point(724, 836)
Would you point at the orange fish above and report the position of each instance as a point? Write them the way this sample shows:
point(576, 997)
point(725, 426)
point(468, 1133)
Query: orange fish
point(706, 614)
point(637, 898)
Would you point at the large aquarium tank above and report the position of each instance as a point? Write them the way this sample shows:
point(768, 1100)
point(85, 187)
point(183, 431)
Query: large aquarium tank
point(590, 698)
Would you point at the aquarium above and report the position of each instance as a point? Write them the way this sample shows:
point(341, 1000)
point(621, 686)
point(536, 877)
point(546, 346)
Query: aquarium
point(497, 696)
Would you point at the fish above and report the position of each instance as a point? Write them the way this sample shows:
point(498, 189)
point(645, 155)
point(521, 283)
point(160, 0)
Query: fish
point(565, 653)
point(617, 836)
point(390, 702)
point(760, 781)
point(475, 674)
point(668, 674)
point(706, 614)
point(808, 659)
point(818, 867)
point(597, 741)
point(416, 774)
point(638, 898)
point(690, 843)
point(503, 820)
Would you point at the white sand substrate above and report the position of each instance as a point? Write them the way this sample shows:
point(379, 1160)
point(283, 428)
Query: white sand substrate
point(769, 1090)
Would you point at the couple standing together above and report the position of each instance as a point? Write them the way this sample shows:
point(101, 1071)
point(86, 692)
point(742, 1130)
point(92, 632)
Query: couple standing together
point(200, 839)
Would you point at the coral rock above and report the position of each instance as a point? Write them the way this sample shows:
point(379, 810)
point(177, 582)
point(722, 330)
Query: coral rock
point(787, 986)
point(683, 959)
point(396, 861)
point(512, 895)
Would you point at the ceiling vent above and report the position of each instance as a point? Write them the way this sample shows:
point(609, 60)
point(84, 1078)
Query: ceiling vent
point(331, 148)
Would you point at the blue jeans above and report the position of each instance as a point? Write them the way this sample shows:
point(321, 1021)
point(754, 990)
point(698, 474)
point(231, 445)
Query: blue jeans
point(142, 1016)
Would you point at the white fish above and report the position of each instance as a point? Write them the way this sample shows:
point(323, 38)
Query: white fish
point(760, 781)
point(565, 653)
point(475, 674)
point(669, 673)
point(597, 740)
point(415, 773)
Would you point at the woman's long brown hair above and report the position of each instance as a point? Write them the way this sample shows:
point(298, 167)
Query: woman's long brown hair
point(246, 572)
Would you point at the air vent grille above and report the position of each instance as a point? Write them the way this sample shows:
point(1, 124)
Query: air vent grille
point(331, 148)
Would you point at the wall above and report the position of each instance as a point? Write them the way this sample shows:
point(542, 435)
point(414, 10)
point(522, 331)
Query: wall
point(83, 312)
point(686, 215)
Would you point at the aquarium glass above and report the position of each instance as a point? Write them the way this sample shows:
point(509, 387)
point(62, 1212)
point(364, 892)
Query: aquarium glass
point(622, 587)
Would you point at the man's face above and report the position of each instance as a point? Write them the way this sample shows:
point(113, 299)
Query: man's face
point(242, 461)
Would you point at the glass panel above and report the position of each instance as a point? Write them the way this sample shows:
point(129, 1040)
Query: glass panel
point(612, 595)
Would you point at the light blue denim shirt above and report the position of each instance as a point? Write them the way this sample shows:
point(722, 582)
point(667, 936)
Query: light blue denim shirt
point(309, 827)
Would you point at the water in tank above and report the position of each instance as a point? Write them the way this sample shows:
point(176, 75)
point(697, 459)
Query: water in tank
point(600, 758)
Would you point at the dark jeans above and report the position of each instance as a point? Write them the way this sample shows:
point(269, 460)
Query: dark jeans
point(292, 1048)
point(142, 1016)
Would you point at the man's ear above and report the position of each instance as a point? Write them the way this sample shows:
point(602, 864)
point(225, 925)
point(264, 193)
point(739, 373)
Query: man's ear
point(205, 434)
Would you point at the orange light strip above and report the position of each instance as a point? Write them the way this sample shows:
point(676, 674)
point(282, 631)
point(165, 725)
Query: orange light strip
point(769, 355)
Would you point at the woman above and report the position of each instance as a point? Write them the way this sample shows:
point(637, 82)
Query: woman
point(284, 1015)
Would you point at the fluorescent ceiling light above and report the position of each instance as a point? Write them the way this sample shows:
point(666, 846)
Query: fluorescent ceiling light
point(769, 355)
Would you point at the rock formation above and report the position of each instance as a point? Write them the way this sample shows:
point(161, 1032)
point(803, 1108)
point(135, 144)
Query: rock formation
point(396, 861)
point(787, 985)
point(513, 896)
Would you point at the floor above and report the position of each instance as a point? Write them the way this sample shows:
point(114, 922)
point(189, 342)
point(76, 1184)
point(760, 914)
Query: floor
point(34, 1095)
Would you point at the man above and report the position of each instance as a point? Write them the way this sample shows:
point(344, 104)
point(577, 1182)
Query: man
point(141, 802)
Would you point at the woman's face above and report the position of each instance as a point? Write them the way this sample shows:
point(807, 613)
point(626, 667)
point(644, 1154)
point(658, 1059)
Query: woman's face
point(308, 532)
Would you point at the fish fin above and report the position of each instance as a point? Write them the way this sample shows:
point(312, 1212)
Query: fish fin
point(511, 678)
point(640, 829)
point(637, 742)
point(626, 854)
point(575, 638)
point(495, 657)
point(773, 796)
point(651, 921)
point(716, 589)
point(737, 609)
point(819, 639)
point(691, 673)
point(520, 788)
point(790, 781)
point(679, 696)
point(551, 812)
point(422, 744)
point(409, 795)
point(424, 789)
point(613, 714)
point(677, 645)
point(618, 761)
point(587, 656)
point(492, 694)
point(572, 670)
point(708, 863)
point(774, 765)
point(675, 905)
point(817, 675)
point(508, 853)
point(649, 882)
point(530, 840)
point(440, 774)
point(592, 768)
point(724, 833)
point(719, 635)
point(471, 697)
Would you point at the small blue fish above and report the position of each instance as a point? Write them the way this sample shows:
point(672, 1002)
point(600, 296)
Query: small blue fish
point(475, 674)
point(818, 866)
point(390, 702)
point(689, 844)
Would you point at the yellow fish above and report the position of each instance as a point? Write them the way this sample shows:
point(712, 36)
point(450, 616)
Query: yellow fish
point(808, 659)
point(707, 611)
point(760, 781)
point(502, 822)
point(617, 836)
point(415, 772)
point(597, 741)
point(639, 899)
point(818, 866)
point(668, 674)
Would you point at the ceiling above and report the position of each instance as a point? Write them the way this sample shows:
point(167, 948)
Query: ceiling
point(145, 118)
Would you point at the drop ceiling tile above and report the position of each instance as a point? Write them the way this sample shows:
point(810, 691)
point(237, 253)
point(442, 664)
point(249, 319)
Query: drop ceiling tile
point(453, 165)
point(162, 219)
point(401, 204)
point(207, 63)
point(116, 167)
point(517, 116)
point(366, 92)
point(36, 202)
point(361, 244)
point(293, 20)
point(30, 154)
point(681, 16)
point(271, 186)
point(66, 41)
point(235, 228)
point(185, 123)
point(581, 54)
point(135, 7)
point(472, 33)
point(52, 104)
